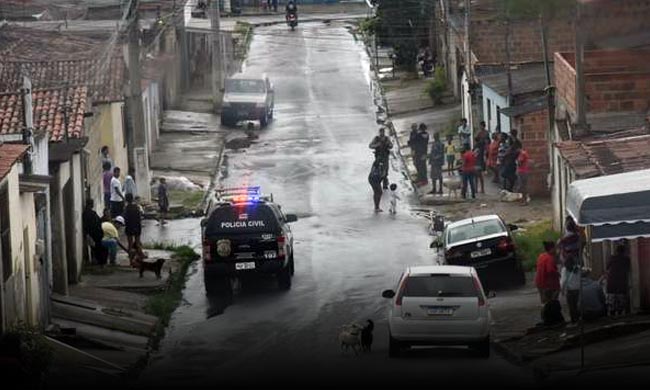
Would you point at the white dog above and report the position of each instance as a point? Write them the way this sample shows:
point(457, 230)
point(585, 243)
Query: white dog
point(453, 186)
point(507, 196)
point(350, 338)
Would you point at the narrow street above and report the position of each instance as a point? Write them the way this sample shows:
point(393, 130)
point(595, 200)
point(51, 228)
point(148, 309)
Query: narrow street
point(314, 158)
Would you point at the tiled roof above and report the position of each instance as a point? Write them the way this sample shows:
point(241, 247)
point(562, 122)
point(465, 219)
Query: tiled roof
point(48, 112)
point(526, 78)
point(26, 44)
point(106, 84)
point(9, 154)
point(606, 157)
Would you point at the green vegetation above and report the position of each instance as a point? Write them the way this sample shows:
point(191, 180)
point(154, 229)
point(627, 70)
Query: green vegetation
point(529, 242)
point(28, 344)
point(165, 302)
point(369, 26)
point(245, 31)
point(436, 88)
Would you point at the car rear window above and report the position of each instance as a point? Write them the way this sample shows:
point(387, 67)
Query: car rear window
point(245, 86)
point(440, 286)
point(474, 230)
point(242, 219)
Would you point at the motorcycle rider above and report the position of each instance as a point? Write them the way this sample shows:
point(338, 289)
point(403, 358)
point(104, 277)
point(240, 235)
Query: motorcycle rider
point(291, 9)
point(382, 146)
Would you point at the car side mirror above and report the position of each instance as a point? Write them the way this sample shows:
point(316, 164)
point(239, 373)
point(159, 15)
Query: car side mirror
point(291, 218)
point(204, 222)
point(435, 244)
point(513, 227)
point(388, 294)
point(222, 90)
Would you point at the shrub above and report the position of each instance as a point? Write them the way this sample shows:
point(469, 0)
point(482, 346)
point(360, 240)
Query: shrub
point(436, 88)
point(530, 242)
point(31, 346)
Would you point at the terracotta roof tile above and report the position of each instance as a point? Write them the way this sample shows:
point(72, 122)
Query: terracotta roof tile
point(606, 157)
point(48, 112)
point(9, 154)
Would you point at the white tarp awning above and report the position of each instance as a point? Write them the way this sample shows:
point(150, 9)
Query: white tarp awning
point(618, 206)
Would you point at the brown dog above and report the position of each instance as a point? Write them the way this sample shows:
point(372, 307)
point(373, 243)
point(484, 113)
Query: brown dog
point(137, 261)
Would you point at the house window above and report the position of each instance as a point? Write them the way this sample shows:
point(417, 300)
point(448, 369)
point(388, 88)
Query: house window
point(489, 113)
point(5, 235)
point(499, 119)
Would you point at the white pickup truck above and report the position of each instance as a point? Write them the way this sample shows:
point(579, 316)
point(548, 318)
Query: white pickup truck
point(247, 97)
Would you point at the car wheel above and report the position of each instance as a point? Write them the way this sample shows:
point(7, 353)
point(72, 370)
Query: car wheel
point(482, 348)
point(284, 278)
point(264, 120)
point(394, 347)
point(217, 285)
point(291, 265)
point(271, 113)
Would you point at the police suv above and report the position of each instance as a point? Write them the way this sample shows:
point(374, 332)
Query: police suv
point(245, 232)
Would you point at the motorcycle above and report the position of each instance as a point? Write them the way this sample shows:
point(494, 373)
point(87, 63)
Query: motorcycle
point(292, 21)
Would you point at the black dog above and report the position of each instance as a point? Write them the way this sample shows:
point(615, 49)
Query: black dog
point(366, 336)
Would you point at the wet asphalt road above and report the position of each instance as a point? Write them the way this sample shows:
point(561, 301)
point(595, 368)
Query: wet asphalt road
point(314, 158)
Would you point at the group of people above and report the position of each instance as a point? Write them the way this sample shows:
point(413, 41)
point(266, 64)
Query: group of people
point(122, 209)
point(426, 61)
point(560, 272)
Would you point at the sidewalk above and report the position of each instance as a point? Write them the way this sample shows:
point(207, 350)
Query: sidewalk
point(101, 328)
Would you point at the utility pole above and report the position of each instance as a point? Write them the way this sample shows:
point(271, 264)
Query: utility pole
point(215, 26)
point(549, 87)
point(28, 121)
point(468, 70)
point(508, 70)
point(581, 106)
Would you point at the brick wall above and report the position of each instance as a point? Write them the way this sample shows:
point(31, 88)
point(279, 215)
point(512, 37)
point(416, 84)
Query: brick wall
point(617, 80)
point(488, 40)
point(533, 130)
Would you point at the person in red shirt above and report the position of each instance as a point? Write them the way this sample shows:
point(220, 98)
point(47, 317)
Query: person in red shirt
point(469, 170)
point(547, 277)
point(492, 153)
point(523, 170)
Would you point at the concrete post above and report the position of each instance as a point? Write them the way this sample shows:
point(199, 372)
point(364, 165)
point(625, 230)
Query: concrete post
point(215, 39)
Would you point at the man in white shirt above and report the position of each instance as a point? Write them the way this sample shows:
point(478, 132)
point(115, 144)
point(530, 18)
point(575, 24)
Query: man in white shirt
point(117, 196)
point(464, 133)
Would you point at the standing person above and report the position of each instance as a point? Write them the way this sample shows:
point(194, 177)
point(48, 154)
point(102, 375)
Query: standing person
point(501, 154)
point(570, 286)
point(163, 200)
point(450, 152)
point(106, 157)
point(547, 278)
point(437, 161)
point(106, 179)
point(382, 145)
point(92, 226)
point(275, 5)
point(492, 154)
point(510, 166)
point(133, 225)
point(468, 170)
point(422, 144)
point(569, 243)
point(523, 170)
point(464, 133)
point(618, 269)
point(480, 168)
point(117, 196)
point(129, 184)
point(375, 178)
point(413, 144)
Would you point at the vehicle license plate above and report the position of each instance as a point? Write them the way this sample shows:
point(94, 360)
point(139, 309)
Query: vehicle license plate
point(244, 266)
point(440, 311)
point(481, 253)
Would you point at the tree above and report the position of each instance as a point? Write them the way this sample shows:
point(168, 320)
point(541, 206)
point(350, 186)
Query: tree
point(403, 24)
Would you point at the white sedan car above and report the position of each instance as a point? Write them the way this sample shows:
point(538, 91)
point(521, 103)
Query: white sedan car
point(438, 305)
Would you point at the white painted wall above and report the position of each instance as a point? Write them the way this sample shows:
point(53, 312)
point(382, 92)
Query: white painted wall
point(490, 111)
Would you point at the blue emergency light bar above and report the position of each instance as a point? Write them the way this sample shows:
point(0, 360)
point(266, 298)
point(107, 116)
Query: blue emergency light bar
point(242, 195)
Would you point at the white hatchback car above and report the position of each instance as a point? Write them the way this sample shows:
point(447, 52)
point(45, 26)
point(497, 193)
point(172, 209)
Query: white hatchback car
point(438, 305)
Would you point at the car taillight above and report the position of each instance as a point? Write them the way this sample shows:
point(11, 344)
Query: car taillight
point(479, 293)
point(452, 254)
point(207, 251)
point(281, 243)
point(506, 245)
